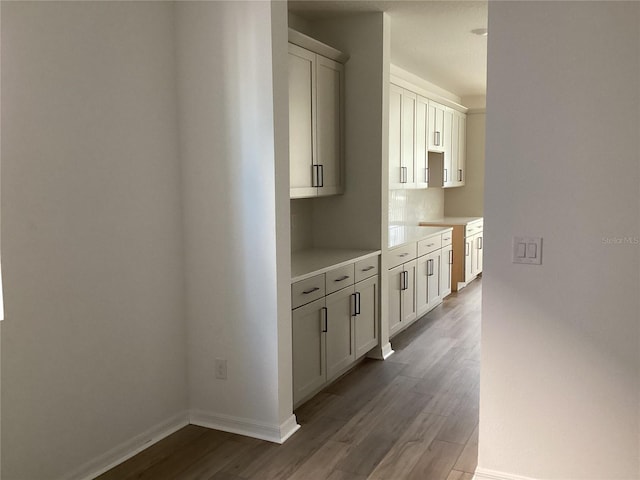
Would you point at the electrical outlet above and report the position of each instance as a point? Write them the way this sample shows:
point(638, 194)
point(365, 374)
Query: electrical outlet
point(221, 368)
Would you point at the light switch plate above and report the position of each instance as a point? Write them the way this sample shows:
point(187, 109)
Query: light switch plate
point(527, 250)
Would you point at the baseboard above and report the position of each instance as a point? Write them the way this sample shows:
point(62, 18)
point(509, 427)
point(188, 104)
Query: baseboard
point(129, 448)
point(486, 474)
point(245, 426)
point(381, 353)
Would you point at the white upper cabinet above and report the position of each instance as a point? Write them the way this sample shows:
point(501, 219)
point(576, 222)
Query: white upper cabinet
point(316, 121)
point(422, 149)
point(436, 126)
point(396, 173)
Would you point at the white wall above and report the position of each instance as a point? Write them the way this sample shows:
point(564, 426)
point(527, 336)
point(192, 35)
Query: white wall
point(410, 207)
point(559, 379)
point(234, 269)
point(93, 348)
point(468, 201)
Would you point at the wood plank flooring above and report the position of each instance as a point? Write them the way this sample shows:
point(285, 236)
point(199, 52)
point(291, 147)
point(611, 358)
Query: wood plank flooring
point(413, 416)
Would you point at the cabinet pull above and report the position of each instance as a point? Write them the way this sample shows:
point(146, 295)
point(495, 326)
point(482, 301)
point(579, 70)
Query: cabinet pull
point(321, 169)
point(406, 280)
point(430, 244)
point(370, 267)
point(403, 254)
point(479, 243)
point(436, 138)
point(341, 279)
point(325, 319)
point(459, 174)
point(354, 304)
point(466, 252)
point(314, 289)
point(446, 175)
point(426, 175)
point(358, 303)
point(450, 257)
point(430, 267)
point(314, 175)
point(401, 281)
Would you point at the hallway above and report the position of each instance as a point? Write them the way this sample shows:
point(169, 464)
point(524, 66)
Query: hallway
point(414, 416)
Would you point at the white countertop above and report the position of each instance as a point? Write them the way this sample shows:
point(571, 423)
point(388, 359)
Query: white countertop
point(451, 221)
point(307, 263)
point(401, 234)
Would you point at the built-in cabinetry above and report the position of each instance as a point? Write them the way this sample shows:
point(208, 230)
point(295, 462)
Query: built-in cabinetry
point(419, 276)
point(334, 321)
point(316, 99)
point(466, 248)
point(417, 126)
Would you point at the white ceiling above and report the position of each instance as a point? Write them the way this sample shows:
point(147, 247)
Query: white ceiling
point(431, 39)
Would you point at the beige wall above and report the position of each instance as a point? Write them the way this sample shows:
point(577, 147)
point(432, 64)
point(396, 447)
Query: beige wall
point(559, 378)
point(93, 347)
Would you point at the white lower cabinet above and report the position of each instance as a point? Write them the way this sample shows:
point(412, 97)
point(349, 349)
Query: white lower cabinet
point(428, 293)
point(402, 296)
point(417, 285)
point(331, 333)
point(309, 365)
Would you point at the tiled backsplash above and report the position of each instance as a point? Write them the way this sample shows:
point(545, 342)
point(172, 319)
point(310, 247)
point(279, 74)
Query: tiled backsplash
point(409, 207)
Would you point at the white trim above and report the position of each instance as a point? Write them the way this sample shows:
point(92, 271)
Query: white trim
point(410, 81)
point(129, 448)
point(315, 46)
point(486, 474)
point(381, 353)
point(246, 426)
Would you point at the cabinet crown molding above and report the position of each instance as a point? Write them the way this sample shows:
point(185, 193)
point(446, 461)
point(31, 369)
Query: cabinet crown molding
point(316, 46)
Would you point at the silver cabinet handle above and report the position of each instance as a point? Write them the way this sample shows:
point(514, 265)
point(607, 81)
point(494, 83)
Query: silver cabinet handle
point(430, 244)
point(370, 267)
point(446, 175)
point(403, 254)
point(459, 174)
point(430, 267)
point(479, 243)
point(437, 138)
point(466, 252)
point(341, 279)
point(314, 289)
point(450, 257)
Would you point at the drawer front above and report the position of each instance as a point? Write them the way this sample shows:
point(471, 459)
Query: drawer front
point(473, 228)
point(340, 277)
point(429, 245)
point(366, 268)
point(447, 238)
point(399, 255)
point(306, 291)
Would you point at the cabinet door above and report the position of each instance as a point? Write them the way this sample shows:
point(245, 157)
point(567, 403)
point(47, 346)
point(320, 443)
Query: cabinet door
point(433, 277)
point(435, 125)
point(422, 285)
point(446, 264)
point(329, 125)
point(340, 313)
point(409, 304)
point(421, 155)
point(366, 320)
point(468, 258)
point(479, 250)
point(462, 149)
point(302, 74)
point(454, 173)
point(308, 338)
point(447, 134)
point(396, 174)
point(394, 298)
point(408, 130)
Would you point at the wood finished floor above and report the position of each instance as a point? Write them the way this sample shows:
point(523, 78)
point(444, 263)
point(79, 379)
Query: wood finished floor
point(413, 416)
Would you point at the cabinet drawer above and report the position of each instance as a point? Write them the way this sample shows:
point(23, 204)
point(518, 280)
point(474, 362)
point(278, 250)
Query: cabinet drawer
point(308, 290)
point(430, 244)
point(447, 238)
point(473, 228)
point(399, 255)
point(339, 278)
point(366, 268)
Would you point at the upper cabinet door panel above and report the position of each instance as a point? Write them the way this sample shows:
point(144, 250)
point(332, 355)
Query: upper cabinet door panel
point(421, 155)
point(436, 127)
point(409, 106)
point(330, 93)
point(301, 112)
point(396, 175)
